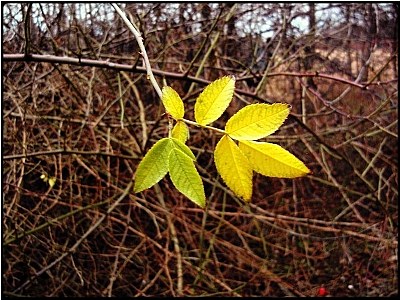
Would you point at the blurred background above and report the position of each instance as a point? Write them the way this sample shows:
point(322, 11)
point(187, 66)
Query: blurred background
point(73, 135)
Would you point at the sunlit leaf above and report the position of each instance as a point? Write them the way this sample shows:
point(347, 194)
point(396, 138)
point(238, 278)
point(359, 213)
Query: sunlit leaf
point(256, 121)
point(172, 102)
point(185, 177)
point(181, 146)
point(180, 131)
point(214, 100)
point(234, 167)
point(272, 160)
point(154, 165)
point(52, 181)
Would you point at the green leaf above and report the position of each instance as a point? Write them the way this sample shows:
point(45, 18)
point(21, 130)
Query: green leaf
point(272, 160)
point(256, 121)
point(214, 100)
point(181, 146)
point(180, 131)
point(185, 177)
point(234, 167)
point(172, 102)
point(154, 165)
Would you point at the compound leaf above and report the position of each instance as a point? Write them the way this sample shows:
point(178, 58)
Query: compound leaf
point(214, 100)
point(153, 166)
point(256, 121)
point(172, 102)
point(234, 167)
point(272, 160)
point(181, 146)
point(180, 131)
point(185, 177)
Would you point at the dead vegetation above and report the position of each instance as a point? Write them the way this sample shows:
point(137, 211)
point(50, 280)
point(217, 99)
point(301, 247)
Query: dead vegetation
point(88, 127)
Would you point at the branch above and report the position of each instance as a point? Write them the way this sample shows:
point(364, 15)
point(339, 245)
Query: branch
point(27, 30)
point(83, 237)
point(139, 40)
point(96, 63)
point(313, 74)
point(129, 68)
point(66, 152)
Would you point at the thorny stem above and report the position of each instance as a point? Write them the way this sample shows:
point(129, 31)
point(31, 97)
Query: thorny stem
point(139, 40)
point(150, 75)
point(173, 75)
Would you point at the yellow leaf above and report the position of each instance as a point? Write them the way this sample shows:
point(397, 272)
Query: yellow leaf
point(180, 131)
point(256, 121)
point(172, 102)
point(52, 181)
point(272, 160)
point(234, 167)
point(214, 100)
point(185, 177)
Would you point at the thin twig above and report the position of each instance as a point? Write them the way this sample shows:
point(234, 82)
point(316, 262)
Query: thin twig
point(83, 237)
point(175, 241)
point(67, 152)
point(139, 40)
